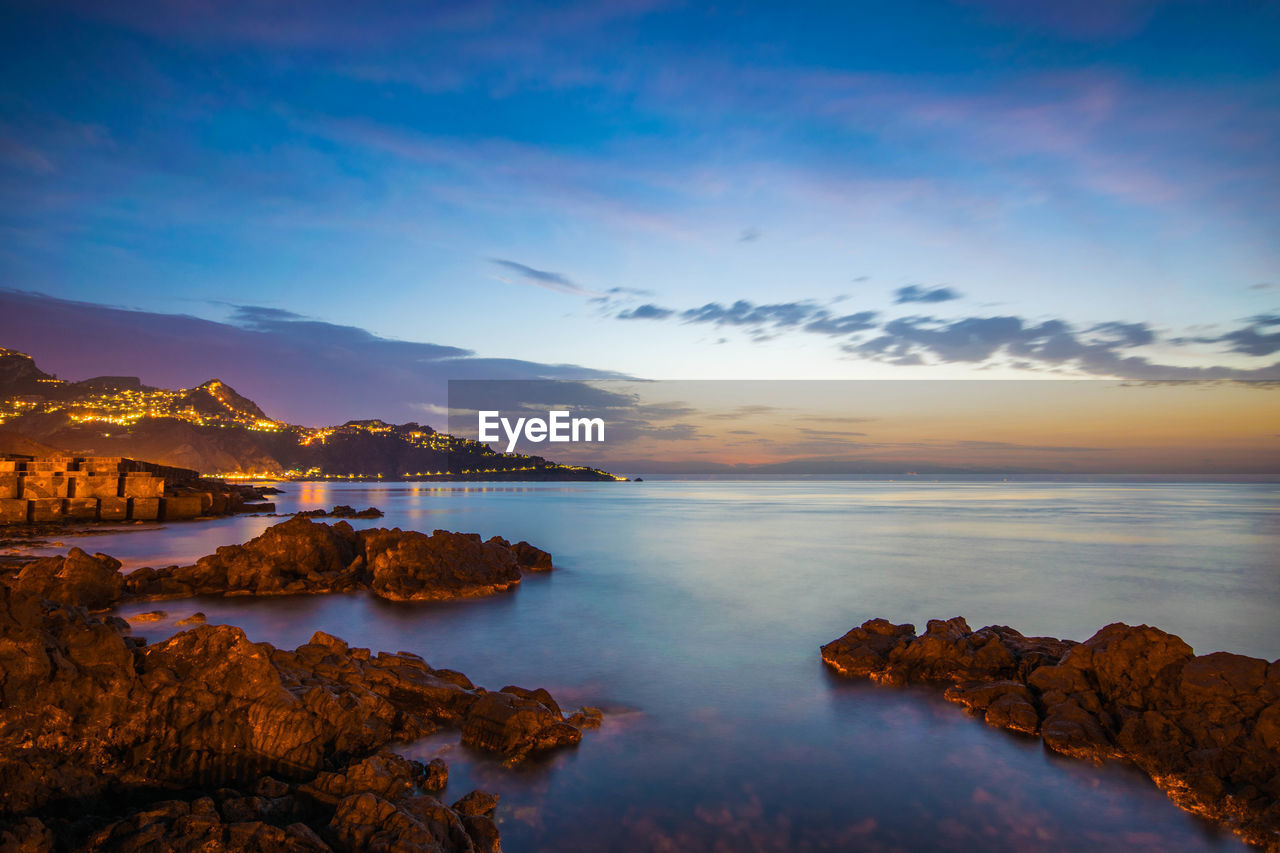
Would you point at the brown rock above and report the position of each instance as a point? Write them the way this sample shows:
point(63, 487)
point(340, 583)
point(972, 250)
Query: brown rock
point(301, 556)
point(366, 822)
point(94, 582)
point(1206, 728)
point(476, 803)
point(410, 566)
point(85, 707)
point(386, 774)
point(515, 725)
point(435, 775)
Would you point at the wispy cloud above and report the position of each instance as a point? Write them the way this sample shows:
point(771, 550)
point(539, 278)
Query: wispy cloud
point(1251, 339)
point(558, 282)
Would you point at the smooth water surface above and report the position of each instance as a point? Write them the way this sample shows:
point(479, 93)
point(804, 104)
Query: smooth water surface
point(692, 613)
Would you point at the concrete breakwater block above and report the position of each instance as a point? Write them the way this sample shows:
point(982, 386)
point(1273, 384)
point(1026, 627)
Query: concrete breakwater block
point(179, 507)
point(36, 485)
point(144, 509)
point(44, 509)
point(86, 485)
point(13, 511)
point(113, 509)
point(143, 485)
point(81, 509)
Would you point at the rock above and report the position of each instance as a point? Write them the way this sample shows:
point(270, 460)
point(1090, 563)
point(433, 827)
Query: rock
point(386, 774)
point(362, 820)
point(435, 775)
point(514, 723)
point(294, 556)
point(28, 835)
point(367, 822)
point(149, 616)
point(476, 803)
point(587, 718)
point(1206, 728)
point(93, 582)
point(528, 557)
point(342, 511)
point(300, 556)
point(85, 709)
point(411, 566)
point(196, 618)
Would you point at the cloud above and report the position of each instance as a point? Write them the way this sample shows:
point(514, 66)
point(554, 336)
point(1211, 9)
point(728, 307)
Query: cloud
point(744, 313)
point(740, 412)
point(1049, 345)
point(298, 369)
point(847, 324)
point(646, 312)
point(764, 322)
point(261, 317)
point(750, 235)
point(916, 293)
point(25, 156)
point(1253, 339)
point(542, 278)
point(1099, 349)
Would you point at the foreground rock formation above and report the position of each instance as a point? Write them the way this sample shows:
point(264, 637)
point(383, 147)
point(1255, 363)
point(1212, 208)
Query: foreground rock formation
point(1205, 728)
point(303, 556)
point(104, 738)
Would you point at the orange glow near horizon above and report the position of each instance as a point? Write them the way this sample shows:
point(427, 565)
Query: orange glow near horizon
point(1088, 426)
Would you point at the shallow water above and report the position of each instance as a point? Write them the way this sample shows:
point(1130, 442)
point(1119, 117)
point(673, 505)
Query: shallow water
point(692, 613)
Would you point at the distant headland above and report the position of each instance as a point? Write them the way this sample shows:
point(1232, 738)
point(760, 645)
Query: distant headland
point(214, 430)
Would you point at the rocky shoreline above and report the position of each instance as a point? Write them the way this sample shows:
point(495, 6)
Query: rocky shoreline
point(110, 743)
point(301, 556)
point(1205, 728)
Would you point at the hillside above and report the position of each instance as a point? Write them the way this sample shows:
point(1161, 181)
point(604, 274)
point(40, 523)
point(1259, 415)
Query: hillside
point(218, 431)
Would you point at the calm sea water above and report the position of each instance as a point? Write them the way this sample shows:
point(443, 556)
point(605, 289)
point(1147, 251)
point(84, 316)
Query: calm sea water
point(692, 613)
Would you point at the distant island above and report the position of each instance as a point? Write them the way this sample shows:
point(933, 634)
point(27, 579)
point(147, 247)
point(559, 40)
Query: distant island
point(214, 430)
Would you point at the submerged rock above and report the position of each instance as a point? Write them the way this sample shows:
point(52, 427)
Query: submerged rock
point(300, 556)
point(1206, 728)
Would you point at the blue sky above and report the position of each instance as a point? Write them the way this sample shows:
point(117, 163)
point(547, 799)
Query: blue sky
point(987, 187)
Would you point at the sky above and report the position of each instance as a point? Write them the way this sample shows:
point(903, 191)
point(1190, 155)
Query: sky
point(970, 189)
point(879, 428)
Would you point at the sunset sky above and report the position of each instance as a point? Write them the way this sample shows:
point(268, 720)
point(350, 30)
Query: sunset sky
point(981, 188)
point(875, 427)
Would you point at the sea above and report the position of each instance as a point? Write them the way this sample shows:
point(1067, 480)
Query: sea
point(692, 614)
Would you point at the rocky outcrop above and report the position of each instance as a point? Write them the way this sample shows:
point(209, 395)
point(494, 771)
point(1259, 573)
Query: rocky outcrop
point(92, 581)
point(411, 566)
point(1205, 728)
point(342, 511)
point(530, 558)
point(89, 712)
point(302, 556)
point(377, 813)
